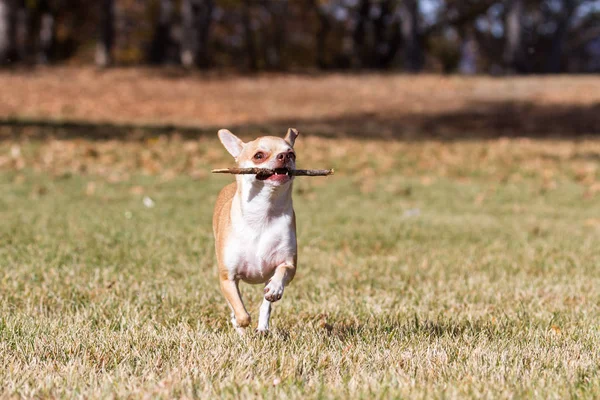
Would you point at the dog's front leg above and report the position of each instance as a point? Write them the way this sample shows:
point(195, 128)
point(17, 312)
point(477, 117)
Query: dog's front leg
point(240, 318)
point(284, 273)
point(263, 316)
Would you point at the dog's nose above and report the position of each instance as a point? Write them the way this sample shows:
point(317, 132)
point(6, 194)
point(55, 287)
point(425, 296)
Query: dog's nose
point(284, 156)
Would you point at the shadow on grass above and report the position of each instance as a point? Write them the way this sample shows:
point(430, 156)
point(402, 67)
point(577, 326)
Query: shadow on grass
point(414, 327)
point(477, 121)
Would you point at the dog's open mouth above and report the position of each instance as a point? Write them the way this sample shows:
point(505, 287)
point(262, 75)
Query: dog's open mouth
point(274, 172)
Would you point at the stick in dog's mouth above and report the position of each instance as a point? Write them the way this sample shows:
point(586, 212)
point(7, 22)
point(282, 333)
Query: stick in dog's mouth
point(264, 173)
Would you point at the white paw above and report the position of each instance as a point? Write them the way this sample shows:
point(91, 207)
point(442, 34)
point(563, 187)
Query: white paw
point(262, 330)
point(273, 291)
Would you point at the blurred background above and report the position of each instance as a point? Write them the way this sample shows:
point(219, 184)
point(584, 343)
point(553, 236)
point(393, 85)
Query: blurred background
point(454, 253)
point(466, 36)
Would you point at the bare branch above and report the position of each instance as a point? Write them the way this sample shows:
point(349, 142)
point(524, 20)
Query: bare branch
point(266, 172)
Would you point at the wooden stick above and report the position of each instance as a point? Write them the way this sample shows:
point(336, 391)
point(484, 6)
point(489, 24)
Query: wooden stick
point(268, 172)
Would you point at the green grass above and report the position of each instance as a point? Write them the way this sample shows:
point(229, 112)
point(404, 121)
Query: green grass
point(406, 289)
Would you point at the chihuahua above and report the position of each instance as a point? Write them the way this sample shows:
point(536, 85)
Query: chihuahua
point(255, 225)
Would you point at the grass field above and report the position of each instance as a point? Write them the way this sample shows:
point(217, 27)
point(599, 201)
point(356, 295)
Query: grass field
point(427, 269)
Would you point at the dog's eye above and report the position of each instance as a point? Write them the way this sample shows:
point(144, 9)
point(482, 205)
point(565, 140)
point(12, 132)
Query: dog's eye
point(259, 156)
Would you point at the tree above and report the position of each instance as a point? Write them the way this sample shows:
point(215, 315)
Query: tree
point(106, 34)
point(468, 51)
point(8, 14)
point(162, 41)
point(583, 43)
point(413, 59)
point(274, 39)
point(24, 42)
point(563, 21)
point(513, 50)
point(324, 28)
point(249, 35)
point(46, 33)
point(196, 18)
point(519, 36)
point(387, 33)
point(361, 50)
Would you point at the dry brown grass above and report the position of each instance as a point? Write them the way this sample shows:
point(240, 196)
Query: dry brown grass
point(549, 162)
point(428, 268)
point(361, 105)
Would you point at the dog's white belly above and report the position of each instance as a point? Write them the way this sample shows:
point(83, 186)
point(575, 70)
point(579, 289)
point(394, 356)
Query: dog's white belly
point(252, 254)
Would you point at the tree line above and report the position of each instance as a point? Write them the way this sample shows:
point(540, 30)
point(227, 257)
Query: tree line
point(467, 36)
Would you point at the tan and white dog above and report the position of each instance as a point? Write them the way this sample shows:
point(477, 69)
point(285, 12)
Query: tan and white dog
point(255, 226)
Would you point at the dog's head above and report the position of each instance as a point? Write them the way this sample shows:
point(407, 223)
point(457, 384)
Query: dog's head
point(269, 152)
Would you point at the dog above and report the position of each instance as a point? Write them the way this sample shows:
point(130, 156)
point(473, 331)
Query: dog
point(254, 225)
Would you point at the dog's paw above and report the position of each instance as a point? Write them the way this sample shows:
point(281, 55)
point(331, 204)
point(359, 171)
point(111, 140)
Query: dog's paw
point(273, 291)
point(240, 323)
point(262, 331)
point(243, 320)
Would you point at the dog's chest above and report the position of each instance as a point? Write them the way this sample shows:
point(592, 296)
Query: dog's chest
point(254, 250)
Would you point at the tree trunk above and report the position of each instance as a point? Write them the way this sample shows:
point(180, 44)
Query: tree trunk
point(23, 39)
point(188, 40)
point(413, 58)
point(162, 43)
point(513, 51)
point(8, 14)
point(388, 35)
point(274, 55)
point(196, 18)
point(554, 62)
point(361, 56)
point(249, 34)
point(106, 36)
point(322, 35)
point(204, 22)
point(46, 34)
point(468, 52)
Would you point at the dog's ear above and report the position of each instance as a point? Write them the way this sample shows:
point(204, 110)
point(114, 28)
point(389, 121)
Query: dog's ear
point(291, 136)
point(232, 143)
